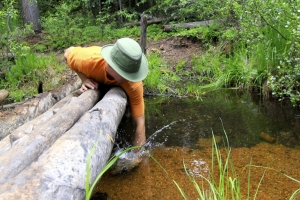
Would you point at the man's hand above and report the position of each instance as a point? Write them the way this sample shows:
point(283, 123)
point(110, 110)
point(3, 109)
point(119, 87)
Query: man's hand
point(88, 84)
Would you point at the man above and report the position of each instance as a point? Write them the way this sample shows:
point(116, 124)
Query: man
point(122, 64)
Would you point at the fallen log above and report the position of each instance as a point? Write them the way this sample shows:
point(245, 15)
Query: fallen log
point(27, 128)
point(43, 118)
point(30, 109)
point(152, 21)
point(31, 146)
point(59, 173)
point(169, 28)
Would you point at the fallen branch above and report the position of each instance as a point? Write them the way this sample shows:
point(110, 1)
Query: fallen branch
point(152, 21)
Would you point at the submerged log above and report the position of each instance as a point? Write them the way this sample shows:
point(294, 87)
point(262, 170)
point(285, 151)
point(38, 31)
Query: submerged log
point(59, 173)
point(31, 146)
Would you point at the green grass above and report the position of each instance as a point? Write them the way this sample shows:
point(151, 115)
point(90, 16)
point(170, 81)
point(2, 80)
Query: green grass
point(227, 184)
point(23, 78)
point(89, 189)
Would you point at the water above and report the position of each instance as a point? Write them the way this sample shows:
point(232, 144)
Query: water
point(181, 122)
point(181, 130)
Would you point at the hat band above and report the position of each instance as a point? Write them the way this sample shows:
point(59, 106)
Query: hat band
point(124, 61)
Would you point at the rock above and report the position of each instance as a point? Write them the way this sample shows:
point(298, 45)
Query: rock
point(267, 137)
point(126, 162)
point(3, 95)
point(208, 142)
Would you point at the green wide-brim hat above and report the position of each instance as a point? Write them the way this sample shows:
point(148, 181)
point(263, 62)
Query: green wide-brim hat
point(127, 59)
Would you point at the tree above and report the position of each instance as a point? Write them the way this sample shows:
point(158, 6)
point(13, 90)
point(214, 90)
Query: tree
point(31, 14)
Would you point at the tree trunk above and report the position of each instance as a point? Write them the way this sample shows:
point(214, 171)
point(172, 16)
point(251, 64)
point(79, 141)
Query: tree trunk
point(144, 33)
point(59, 173)
point(31, 14)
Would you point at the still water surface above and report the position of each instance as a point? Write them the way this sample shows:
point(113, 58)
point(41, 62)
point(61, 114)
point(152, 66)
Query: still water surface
point(264, 133)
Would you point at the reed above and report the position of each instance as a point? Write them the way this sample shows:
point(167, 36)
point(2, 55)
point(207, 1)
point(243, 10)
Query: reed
point(227, 184)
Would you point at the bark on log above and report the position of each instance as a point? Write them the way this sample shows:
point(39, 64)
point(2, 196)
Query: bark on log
point(143, 33)
point(60, 172)
point(169, 28)
point(31, 146)
point(30, 109)
point(43, 118)
point(152, 21)
point(27, 128)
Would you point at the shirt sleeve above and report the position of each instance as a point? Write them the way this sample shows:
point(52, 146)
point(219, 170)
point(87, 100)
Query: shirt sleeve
point(135, 92)
point(89, 61)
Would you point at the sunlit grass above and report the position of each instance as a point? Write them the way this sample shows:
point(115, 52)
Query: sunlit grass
point(226, 185)
point(22, 79)
point(89, 189)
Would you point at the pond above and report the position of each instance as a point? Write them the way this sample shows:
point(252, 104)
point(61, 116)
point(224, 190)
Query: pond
point(265, 134)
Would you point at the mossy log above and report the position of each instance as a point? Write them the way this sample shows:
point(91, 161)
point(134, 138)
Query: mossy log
point(59, 172)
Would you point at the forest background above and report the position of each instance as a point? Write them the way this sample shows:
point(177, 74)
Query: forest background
point(252, 44)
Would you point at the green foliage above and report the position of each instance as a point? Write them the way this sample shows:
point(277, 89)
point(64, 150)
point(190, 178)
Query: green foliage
point(23, 78)
point(89, 189)
point(206, 34)
point(271, 30)
point(186, 10)
point(264, 36)
point(11, 34)
point(160, 79)
point(155, 32)
point(63, 29)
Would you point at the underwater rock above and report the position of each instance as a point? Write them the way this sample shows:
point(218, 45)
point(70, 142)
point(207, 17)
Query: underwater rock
point(267, 137)
point(208, 142)
point(126, 162)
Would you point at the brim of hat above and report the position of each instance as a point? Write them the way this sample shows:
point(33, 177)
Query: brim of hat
point(133, 77)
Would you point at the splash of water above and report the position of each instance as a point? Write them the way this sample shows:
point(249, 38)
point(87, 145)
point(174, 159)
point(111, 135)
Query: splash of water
point(148, 143)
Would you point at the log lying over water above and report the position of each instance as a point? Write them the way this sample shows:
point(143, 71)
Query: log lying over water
point(59, 173)
point(31, 146)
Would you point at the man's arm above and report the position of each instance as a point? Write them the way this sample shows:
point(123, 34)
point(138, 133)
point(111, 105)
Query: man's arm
point(86, 82)
point(140, 135)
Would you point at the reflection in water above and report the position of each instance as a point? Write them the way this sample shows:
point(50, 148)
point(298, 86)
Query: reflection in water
point(183, 130)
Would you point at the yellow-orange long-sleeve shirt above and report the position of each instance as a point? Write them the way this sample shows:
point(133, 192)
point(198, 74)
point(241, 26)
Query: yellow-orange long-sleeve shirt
point(89, 61)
